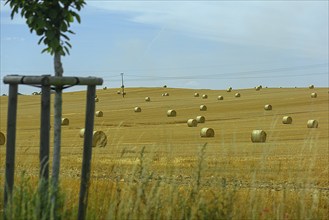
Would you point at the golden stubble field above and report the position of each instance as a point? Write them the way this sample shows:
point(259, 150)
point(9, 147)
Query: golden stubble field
point(294, 158)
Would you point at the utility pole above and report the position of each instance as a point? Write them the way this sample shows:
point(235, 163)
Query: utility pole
point(122, 86)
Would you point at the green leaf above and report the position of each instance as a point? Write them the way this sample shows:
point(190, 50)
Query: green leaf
point(48, 50)
point(76, 16)
point(50, 34)
point(67, 50)
point(63, 27)
point(40, 32)
point(70, 18)
point(65, 36)
point(68, 44)
point(41, 39)
point(52, 13)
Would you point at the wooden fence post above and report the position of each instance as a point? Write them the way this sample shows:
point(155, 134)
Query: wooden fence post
point(11, 141)
point(44, 132)
point(87, 150)
point(44, 151)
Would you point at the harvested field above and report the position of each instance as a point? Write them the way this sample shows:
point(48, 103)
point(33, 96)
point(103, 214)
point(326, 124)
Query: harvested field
point(293, 162)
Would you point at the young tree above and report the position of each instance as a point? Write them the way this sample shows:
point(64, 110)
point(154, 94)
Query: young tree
point(51, 19)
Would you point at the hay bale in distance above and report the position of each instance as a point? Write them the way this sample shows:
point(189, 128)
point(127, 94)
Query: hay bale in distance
point(96, 99)
point(220, 97)
point(204, 96)
point(258, 88)
point(312, 124)
point(105, 88)
point(192, 122)
point(258, 136)
point(314, 95)
point(229, 89)
point(203, 108)
point(268, 107)
point(137, 109)
point(207, 132)
point(65, 121)
point(118, 92)
point(82, 132)
point(287, 120)
point(2, 139)
point(196, 94)
point(147, 99)
point(99, 114)
point(99, 138)
point(311, 86)
point(237, 95)
point(166, 94)
point(171, 113)
point(200, 119)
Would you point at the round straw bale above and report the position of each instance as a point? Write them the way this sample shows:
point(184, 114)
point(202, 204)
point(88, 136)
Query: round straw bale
point(137, 109)
point(147, 99)
point(192, 122)
point(171, 113)
point(207, 132)
point(2, 139)
point(96, 99)
point(196, 94)
point(99, 138)
point(65, 121)
point(166, 94)
point(229, 89)
point(203, 108)
point(286, 120)
point(82, 132)
point(204, 96)
point(258, 136)
point(314, 95)
point(268, 107)
point(118, 92)
point(311, 86)
point(220, 97)
point(99, 114)
point(312, 124)
point(258, 88)
point(237, 95)
point(163, 94)
point(200, 119)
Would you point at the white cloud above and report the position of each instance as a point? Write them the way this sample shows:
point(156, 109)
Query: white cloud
point(14, 39)
point(301, 26)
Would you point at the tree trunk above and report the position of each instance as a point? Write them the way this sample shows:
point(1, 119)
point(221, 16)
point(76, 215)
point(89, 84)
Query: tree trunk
point(57, 122)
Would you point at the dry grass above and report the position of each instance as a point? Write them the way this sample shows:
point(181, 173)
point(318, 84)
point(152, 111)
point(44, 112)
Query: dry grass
point(152, 168)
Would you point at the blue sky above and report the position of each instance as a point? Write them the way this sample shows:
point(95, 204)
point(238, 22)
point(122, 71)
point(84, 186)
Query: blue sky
point(185, 44)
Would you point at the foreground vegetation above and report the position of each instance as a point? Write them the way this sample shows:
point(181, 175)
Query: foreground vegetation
point(140, 192)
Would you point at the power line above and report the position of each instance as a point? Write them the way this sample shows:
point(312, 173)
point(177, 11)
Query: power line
point(155, 78)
